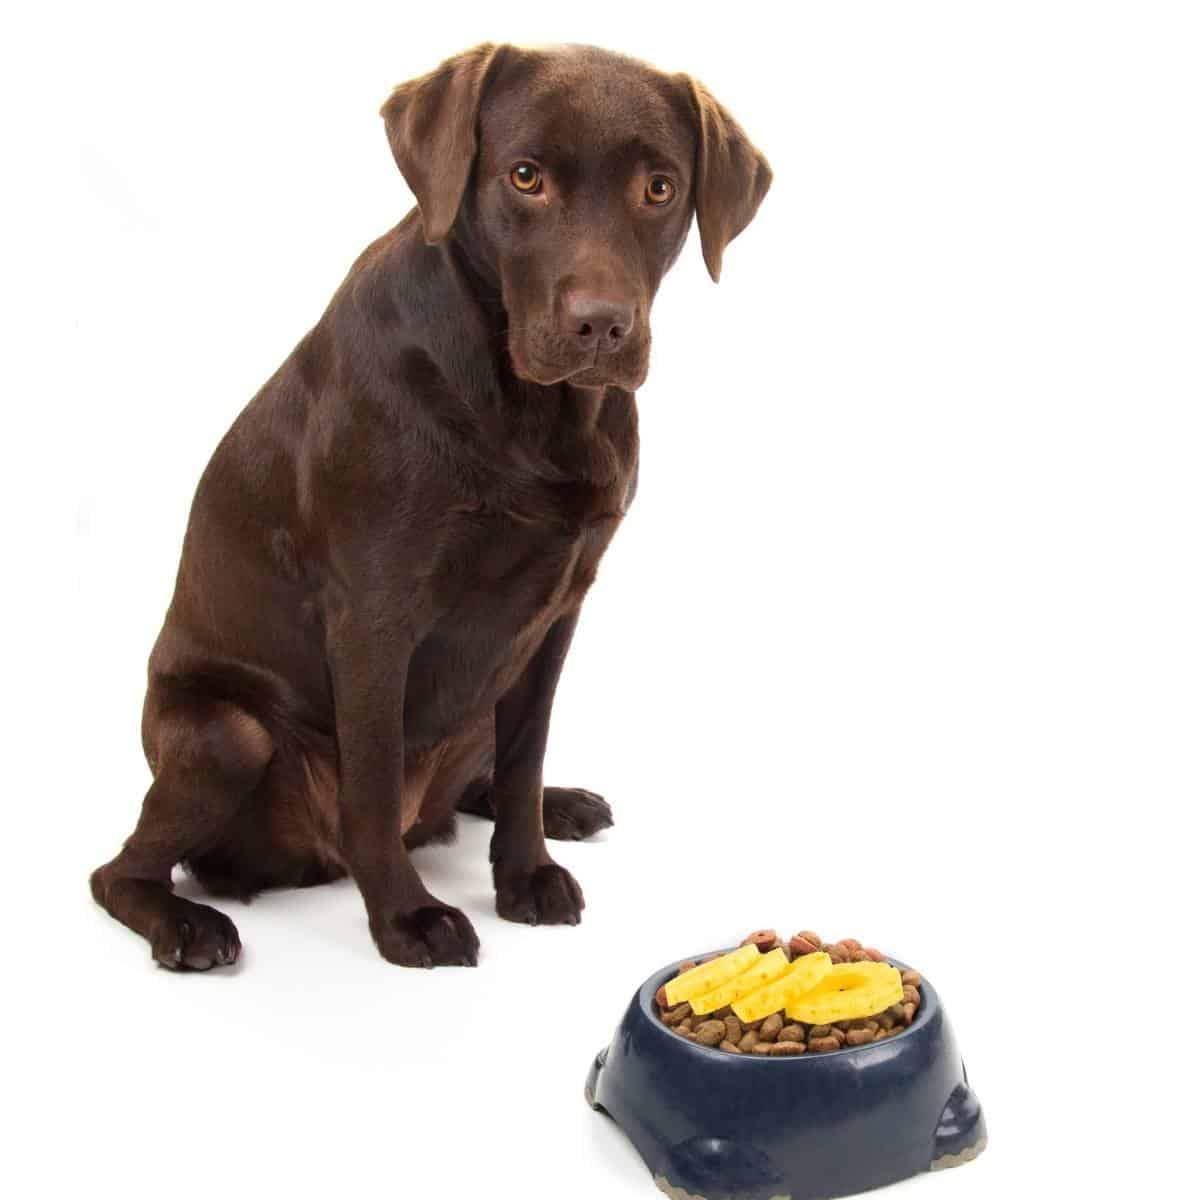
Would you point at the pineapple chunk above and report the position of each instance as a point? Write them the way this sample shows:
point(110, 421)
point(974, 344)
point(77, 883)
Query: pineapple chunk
point(710, 975)
point(801, 977)
point(769, 967)
point(848, 991)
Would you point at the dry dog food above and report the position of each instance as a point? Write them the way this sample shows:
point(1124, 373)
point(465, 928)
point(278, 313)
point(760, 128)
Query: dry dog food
point(774, 999)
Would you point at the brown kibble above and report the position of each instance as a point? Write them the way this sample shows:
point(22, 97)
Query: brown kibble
point(685, 967)
point(784, 1049)
point(804, 943)
point(778, 1036)
point(770, 1028)
point(678, 1014)
point(764, 939)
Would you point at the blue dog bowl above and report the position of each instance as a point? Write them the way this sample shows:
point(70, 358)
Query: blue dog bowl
point(712, 1125)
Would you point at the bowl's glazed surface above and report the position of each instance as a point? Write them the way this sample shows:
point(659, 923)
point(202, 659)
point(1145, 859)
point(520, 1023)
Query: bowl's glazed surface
point(720, 1126)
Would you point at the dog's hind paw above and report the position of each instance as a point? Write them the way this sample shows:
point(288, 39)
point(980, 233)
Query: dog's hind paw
point(194, 937)
point(571, 814)
point(568, 814)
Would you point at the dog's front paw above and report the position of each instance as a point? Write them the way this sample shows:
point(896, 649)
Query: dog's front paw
point(544, 895)
point(434, 935)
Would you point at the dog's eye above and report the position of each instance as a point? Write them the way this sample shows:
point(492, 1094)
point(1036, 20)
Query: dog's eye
point(526, 178)
point(660, 190)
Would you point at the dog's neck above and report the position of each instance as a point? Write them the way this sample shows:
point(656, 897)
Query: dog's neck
point(561, 431)
point(432, 320)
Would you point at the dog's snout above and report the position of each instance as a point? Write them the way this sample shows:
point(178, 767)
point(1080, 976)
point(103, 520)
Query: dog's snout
point(597, 321)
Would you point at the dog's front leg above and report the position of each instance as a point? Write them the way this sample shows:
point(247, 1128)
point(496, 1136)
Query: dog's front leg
point(368, 659)
point(530, 885)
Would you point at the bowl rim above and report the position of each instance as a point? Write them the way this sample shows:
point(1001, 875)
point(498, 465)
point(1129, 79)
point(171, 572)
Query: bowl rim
point(645, 997)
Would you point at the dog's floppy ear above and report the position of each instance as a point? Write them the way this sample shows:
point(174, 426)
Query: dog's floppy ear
point(731, 176)
point(431, 125)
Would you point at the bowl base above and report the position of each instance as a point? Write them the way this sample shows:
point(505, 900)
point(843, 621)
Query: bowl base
point(963, 1156)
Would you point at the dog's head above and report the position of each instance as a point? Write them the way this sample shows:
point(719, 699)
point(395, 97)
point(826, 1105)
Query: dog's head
point(570, 177)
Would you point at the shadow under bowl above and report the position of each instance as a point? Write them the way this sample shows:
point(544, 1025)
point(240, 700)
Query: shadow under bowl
point(713, 1125)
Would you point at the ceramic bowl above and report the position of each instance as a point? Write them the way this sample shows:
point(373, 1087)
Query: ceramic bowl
point(719, 1126)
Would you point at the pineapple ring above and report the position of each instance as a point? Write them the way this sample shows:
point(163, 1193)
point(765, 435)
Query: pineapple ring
point(710, 975)
point(849, 991)
point(769, 967)
point(803, 975)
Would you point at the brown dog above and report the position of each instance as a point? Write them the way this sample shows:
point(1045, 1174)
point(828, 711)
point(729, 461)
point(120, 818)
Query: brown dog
point(388, 551)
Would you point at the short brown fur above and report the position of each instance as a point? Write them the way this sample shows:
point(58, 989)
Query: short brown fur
point(387, 553)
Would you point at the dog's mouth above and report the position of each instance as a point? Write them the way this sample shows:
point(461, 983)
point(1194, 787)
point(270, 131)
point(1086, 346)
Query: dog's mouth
point(600, 376)
point(624, 369)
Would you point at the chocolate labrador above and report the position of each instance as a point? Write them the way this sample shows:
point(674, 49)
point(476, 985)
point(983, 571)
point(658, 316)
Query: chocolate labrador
point(387, 554)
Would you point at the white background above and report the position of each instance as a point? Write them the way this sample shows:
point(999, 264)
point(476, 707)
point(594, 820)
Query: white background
point(899, 641)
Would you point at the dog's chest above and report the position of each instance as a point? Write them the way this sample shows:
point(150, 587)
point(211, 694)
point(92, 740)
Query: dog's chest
point(498, 595)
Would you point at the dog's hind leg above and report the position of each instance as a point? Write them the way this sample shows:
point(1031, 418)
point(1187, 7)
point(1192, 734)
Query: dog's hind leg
point(568, 814)
point(208, 757)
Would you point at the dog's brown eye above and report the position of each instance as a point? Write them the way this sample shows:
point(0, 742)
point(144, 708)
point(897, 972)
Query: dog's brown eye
point(526, 178)
point(660, 190)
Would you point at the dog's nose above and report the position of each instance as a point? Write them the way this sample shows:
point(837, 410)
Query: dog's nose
point(593, 321)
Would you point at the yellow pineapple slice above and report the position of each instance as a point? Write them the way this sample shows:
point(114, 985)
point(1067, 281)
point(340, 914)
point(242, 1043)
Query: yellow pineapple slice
point(769, 966)
point(847, 991)
point(801, 977)
point(710, 975)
